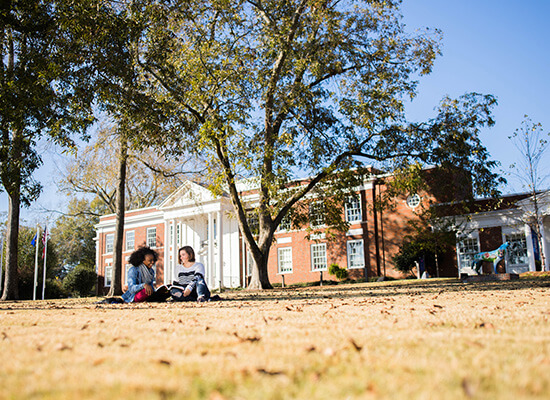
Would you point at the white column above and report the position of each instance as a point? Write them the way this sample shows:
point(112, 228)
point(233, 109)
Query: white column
point(219, 234)
point(175, 247)
point(167, 245)
point(210, 238)
point(530, 248)
point(545, 247)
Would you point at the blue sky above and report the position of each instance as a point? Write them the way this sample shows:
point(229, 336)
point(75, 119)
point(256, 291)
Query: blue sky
point(489, 46)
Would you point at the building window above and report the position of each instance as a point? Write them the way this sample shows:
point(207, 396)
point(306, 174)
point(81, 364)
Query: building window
point(516, 253)
point(316, 214)
point(108, 275)
point(109, 242)
point(152, 237)
point(466, 249)
point(353, 209)
point(253, 222)
point(130, 240)
point(356, 258)
point(284, 260)
point(171, 234)
point(413, 200)
point(286, 223)
point(178, 234)
point(319, 257)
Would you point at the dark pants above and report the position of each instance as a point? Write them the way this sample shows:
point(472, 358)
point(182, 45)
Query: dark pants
point(200, 289)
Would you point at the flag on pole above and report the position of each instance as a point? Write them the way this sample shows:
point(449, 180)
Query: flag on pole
point(44, 240)
point(33, 241)
point(35, 262)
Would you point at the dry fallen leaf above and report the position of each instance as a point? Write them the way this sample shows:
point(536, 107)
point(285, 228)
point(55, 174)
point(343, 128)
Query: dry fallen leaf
point(247, 339)
point(266, 372)
point(62, 347)
point(486, 325)
point(355, 345)
point(467, 387)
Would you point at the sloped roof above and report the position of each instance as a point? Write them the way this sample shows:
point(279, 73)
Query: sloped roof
point(543, 202)
point(189, 194)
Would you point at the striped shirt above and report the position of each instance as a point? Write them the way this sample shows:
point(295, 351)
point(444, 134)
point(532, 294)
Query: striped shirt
point(187, 276)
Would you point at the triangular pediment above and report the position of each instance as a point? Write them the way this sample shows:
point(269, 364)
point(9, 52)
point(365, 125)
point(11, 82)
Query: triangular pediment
point(189, 194)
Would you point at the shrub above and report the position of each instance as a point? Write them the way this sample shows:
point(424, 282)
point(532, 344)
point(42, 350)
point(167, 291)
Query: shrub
point(80, 282)
point(339, 273)
point(55, 289)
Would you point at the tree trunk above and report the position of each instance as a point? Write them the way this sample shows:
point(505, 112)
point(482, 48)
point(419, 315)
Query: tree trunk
point(260, 276)
point(259, 279)
point(11, 279)
point(116, 283)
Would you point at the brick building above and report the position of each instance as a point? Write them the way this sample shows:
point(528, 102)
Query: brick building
point(193, 216)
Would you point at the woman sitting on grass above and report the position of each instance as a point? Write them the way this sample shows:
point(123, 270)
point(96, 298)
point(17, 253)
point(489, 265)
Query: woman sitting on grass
point(189, 284)
point(141, 277)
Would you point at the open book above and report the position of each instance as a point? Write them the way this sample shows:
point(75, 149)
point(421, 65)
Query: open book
point(166, 288)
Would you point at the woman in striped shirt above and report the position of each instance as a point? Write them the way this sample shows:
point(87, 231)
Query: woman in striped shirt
point(189, 284)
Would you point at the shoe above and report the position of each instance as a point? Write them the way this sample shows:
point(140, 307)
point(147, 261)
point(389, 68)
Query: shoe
point(201, 299)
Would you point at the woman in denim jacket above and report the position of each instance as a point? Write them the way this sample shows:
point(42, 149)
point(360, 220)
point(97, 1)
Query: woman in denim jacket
point(189, 284)
point(141, 277)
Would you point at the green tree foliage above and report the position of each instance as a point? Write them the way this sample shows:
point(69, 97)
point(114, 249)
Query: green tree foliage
point(276, 90)
point(339, 273)
point(80, 281)
point(120, 88)
point(74, 234)
point(26, 259)
point(43, 80)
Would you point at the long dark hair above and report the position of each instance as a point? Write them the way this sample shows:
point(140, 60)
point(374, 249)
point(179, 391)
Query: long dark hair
point(189, 250)
point(137, 257)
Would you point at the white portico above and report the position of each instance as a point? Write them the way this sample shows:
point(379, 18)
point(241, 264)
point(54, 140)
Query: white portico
point(528, 208)
point(194, 217)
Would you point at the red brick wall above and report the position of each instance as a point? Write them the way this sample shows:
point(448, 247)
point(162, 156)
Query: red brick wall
point(140, 239)
point(392, 227)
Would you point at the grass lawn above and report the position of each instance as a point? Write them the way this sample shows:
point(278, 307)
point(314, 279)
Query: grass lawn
point(432, 339)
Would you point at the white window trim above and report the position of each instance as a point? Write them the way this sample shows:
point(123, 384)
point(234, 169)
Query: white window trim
point(348, 253)
point(358, 198)
point(282, 227)
point(312, 206)
point(472, 235)
point(314, 245)
point(279, 250)
point(415, 197)
point(109, 235)
point(510, 230)
point(147, 236)
point(110, 267)
point(126, 248)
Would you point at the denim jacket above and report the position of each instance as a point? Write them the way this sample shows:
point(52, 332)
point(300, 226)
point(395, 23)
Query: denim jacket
point(135, 284)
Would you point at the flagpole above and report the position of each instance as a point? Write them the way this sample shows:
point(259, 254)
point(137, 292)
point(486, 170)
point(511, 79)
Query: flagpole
point(35, 286)
point(45, 255)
